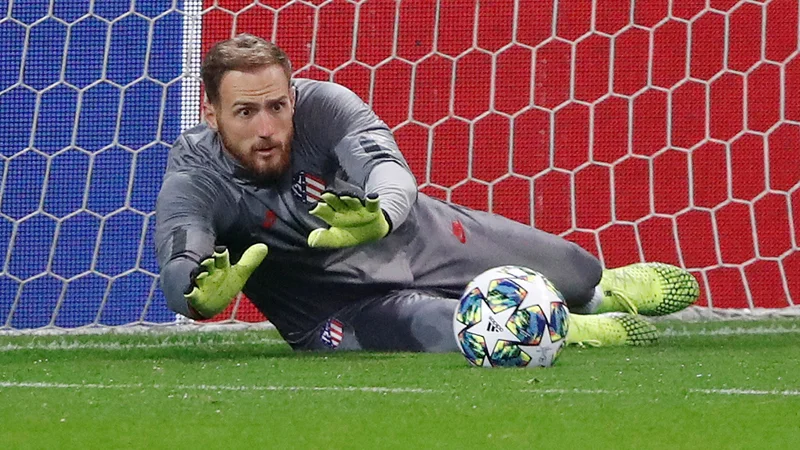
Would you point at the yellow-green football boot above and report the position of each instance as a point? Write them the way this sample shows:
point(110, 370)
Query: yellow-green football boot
point(650, 289)
point(610, 329)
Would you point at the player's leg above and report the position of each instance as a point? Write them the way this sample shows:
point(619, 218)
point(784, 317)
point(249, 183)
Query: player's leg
point(419, 321)
point(650, 289)
point(488, 240)
point(399, 321)
point(407, 321)
point(481, 241)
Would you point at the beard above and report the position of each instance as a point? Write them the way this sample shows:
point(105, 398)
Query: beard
point(259, 170)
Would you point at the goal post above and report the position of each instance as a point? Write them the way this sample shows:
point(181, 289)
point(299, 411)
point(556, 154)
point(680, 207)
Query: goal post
point(643, 131)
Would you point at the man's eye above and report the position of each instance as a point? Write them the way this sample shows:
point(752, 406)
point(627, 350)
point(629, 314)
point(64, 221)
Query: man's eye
point(244, 112)
point(277, 106)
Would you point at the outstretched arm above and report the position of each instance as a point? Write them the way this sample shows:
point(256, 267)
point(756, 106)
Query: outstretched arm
point(371, 158)
point(185, 234)
point(365, 149)
point(198, 279)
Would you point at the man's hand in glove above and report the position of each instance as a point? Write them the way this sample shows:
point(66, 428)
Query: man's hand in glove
point(352, 221)
point(216, 282)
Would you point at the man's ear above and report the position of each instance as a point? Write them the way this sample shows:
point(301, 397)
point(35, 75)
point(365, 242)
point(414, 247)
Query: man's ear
point(209, 113)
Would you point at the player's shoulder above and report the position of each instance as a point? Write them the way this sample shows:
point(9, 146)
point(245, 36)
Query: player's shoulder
point(198, 139)
point(196, 149)
point(187, 179)
point(315, 94)
point(317, 88)
point(325, 111)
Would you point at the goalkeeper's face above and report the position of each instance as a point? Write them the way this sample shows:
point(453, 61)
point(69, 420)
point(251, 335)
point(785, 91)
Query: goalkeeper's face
point(254, 120)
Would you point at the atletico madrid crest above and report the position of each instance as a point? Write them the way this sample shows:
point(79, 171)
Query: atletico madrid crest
point(332, 333)
point(308, 187)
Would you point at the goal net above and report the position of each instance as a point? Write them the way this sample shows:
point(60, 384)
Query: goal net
point(643, 131)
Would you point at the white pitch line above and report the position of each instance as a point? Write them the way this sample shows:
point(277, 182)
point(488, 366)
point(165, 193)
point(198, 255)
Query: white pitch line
point(774, 392)
point(369, 389)
point(208, 387)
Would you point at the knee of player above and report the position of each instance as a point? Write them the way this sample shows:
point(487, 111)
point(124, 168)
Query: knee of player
point(582, 269)
point(586, 263)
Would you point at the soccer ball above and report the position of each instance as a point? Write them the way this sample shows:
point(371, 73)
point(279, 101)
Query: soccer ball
point(511, 316)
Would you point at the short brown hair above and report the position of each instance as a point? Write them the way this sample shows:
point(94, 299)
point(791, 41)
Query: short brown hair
point(243, 52)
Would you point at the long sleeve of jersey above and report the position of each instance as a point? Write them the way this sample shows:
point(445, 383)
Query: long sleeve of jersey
point(363, 146)
point(186, 229)
point(397, 189)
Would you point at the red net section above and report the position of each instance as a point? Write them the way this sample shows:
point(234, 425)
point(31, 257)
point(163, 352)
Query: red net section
point(668, 131)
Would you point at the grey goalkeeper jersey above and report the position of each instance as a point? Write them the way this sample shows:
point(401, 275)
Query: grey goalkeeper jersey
point(339, 145)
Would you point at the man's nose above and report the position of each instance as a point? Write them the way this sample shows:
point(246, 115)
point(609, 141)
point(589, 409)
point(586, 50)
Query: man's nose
point(266, 124)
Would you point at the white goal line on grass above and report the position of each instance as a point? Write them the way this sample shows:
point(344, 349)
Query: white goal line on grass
point(209, 387)
point(773, 392)
point(369, 389)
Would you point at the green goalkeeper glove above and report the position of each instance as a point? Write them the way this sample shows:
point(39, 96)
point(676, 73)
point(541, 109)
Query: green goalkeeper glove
point(219, 282)
point(353, 221)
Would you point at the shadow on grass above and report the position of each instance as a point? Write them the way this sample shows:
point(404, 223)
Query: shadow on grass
point(277, 353)
point(201, 352)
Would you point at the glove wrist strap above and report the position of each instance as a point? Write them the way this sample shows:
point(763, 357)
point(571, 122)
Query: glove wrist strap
point(388, 221)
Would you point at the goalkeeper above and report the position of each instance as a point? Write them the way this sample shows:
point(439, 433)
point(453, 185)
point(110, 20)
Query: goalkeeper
point(295, 193)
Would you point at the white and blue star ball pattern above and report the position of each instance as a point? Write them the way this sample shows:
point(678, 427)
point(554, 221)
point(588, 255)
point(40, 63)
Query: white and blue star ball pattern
point(511, 316)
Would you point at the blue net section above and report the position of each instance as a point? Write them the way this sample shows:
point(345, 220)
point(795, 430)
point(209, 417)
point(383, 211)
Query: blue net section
point(90, 95)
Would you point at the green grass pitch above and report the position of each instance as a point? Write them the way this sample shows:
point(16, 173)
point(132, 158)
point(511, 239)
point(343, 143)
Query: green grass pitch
point(704, 386)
